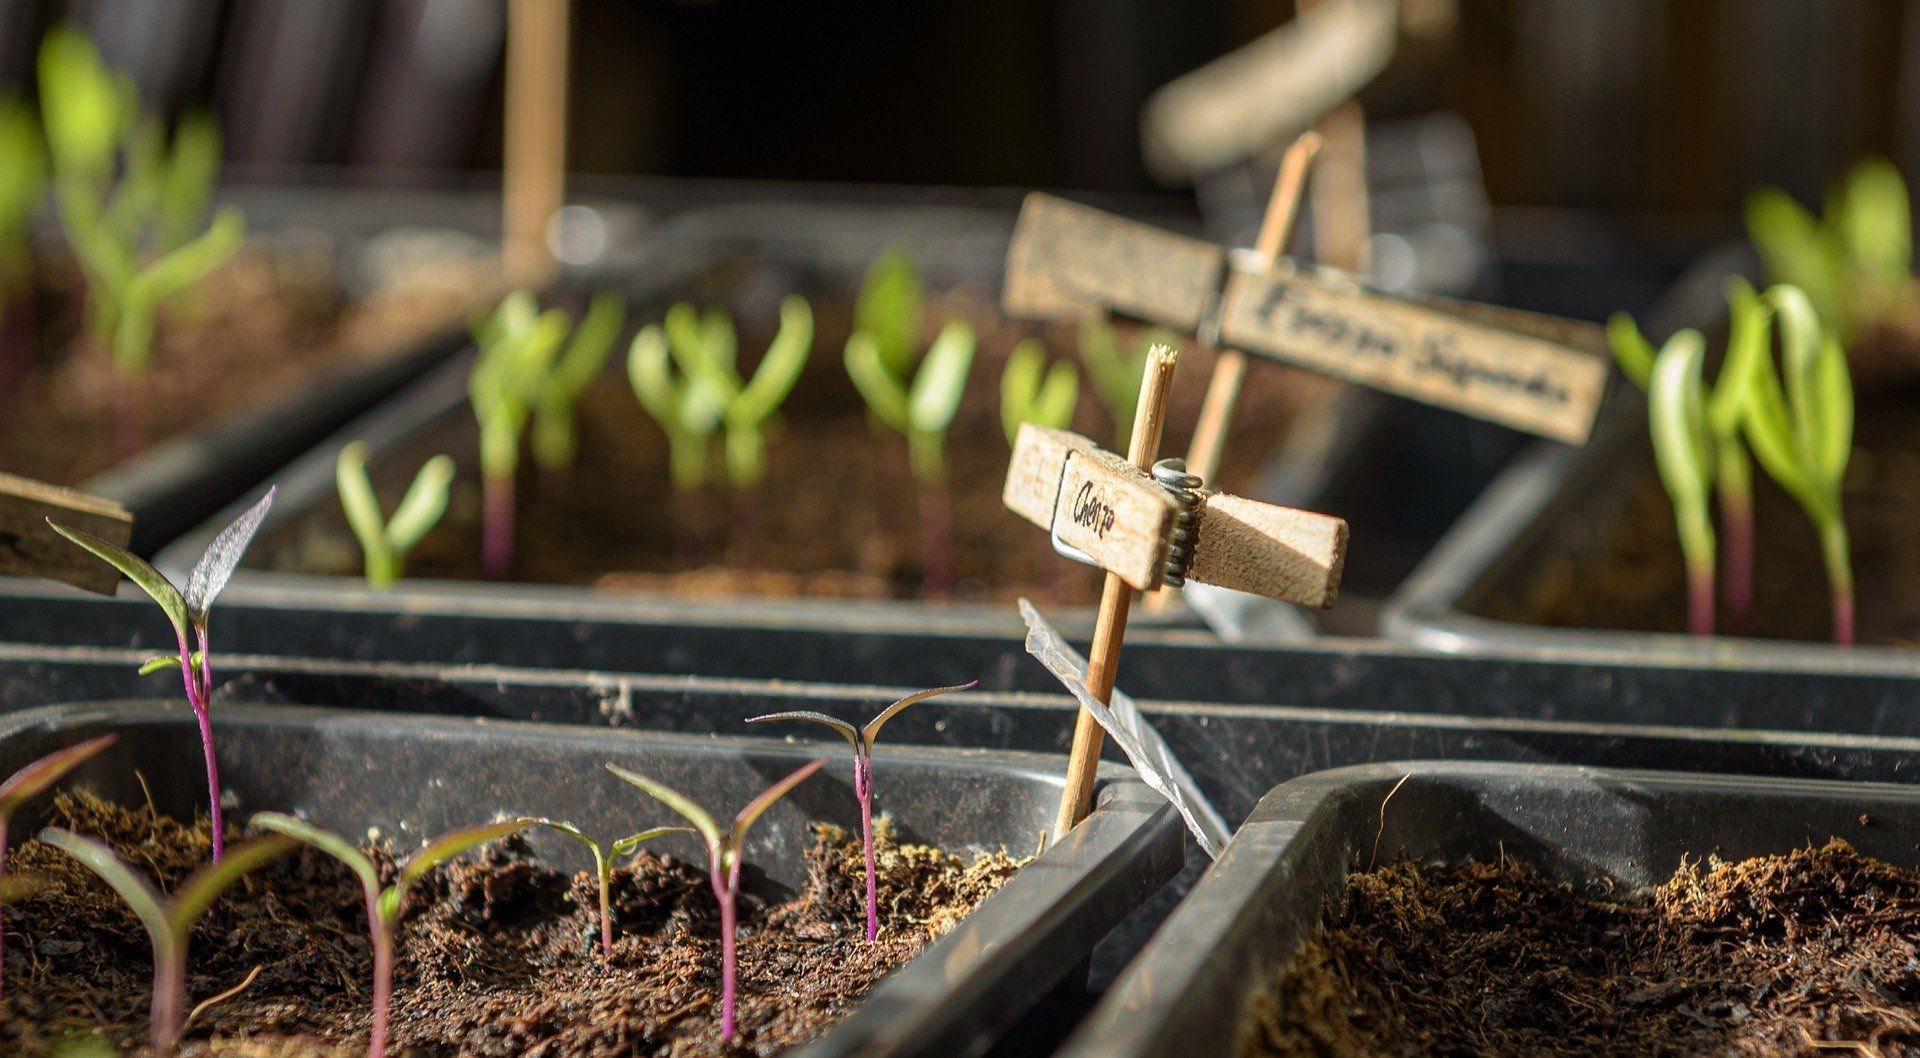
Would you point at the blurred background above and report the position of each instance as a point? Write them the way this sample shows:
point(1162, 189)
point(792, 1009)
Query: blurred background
point(1640, 105)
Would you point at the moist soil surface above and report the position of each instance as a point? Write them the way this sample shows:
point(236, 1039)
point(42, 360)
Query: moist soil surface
point(498, 955)
point(1812, 953)
point(271, 324)
point(839, 514)
point(1620, 568)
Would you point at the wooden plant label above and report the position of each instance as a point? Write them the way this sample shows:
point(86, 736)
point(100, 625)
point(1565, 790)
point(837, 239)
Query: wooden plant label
point(29, 546)
point(1540, 374)
point(1123, 520)
point(1430, 351)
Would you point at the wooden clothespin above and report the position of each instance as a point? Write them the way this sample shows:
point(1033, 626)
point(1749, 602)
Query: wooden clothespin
point(1147, 525)
point(535, 155)
point(30, 547)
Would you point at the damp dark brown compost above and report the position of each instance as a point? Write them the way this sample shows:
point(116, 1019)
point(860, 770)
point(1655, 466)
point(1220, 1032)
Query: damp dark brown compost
point(839, 513)
point(497, 954)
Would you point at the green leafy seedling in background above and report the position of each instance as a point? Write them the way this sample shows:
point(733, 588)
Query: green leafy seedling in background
point(32, 781)
point(1854, 263)
point(862, 739)
point(603, 857)
point(139, 239)
point(384, 544)
point(23, 186)
point(1683, 451)
point(518, 346)
point(169, 920)
point(1732, 469)
point(1033, 392)
point(685, 410)
point(190, 613)
point(921, 410)
point(1116, 369)
point(384, 904)
point(705, 353)
point(556, 434)
point(1803, 435)
point(889, 311)
point(726, 848)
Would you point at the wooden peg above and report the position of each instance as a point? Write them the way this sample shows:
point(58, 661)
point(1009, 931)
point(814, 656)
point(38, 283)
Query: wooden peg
point(1116, 597)
point(536, 136)
point(30, 547)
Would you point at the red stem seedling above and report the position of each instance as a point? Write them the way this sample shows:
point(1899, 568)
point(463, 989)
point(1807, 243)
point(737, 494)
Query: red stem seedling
point(862, 739)
point(189, 613)
point(603, 857)
point(32, 781)
point(724, 860)
point(169, 920)
point(1682, 449)
point(518, 347)
point(384, 905)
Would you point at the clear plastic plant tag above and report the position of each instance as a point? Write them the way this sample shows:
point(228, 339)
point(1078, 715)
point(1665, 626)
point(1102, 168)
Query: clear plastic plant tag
point(1129, 729)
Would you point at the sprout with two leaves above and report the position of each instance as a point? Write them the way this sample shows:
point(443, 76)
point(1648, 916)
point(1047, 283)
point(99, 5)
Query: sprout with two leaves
point(169, 920)
point(556, 433)
point(32, 781)
point(603, 859)
point(1683, 452)
point(131, 204)
point(383, 543)
point(1854, 263)
point(1730, 473)
point(1117, 369)
point(189, 612)
point(685, 410)
point(1803, 435)
point(726, 849)
point(862, 739)
point(384, 904)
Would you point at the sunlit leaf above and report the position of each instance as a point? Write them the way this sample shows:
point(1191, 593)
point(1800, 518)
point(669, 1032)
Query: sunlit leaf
point(216, 566)
point(1631, 350)
point(758, 806)
point(325, 840)
point(674, 799)
point(137, 570)
point(780, 369)
point(845, 730)
point(942, 379)
point(872, 730)
point(877, 386)
point(36, 778)
point(421, 508)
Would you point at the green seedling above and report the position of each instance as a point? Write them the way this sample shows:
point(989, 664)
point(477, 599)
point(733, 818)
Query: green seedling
point(384, 905)
point(862, 739)
point(603, 857)
point(889, 311)
point(385, 543)
point(131, 205)
point(169, 920)
point(32, 781)
point(1803, 435)
point(726, 850)
point(1683, 451)
point(518, 346)
point(556, 435)
point(1732, 469)
point(189, 613)
point(1854, 263)
point(746, 407)
point(687, 411)
point(921, 411)
point(1032, 392)
point(23, 186)
point(1116, 369)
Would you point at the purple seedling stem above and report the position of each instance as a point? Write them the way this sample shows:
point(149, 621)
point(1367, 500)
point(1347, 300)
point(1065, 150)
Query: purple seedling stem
point(724, 860)
point(862, 740)
point(32, 781)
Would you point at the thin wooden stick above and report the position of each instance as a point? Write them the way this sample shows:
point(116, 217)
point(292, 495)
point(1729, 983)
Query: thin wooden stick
point(1230, 367)
point(1116, 598)
point(1341, 221)
point(536, 136)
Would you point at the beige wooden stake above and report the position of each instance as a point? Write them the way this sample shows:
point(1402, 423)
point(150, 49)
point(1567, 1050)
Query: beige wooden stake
point(1341, 220)
point(1116, 597)
point(536, 136)
point(1230, 368)
point(29, 546)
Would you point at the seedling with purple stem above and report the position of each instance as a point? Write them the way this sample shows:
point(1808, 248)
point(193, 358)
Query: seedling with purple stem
point(384, 905)
point(603, 857)
point(724, 859)
point(32, 781)
point(169, 919)
point(518, 344)
point(862, 739)
point(189, 613)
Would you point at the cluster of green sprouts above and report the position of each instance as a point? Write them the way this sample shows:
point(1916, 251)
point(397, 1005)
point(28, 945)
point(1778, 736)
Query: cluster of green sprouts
point(1855, 262)
point(1801, 431)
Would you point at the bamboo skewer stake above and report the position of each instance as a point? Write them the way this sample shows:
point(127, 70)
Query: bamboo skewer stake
point(536, 136)
point(1341, 223)
point(1230, 367)
point(1116, 598)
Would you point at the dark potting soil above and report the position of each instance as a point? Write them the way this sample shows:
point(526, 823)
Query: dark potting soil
point(1814, 952)
point(497, 956)
point(269, 325)
point(1631, 577)
point(839, 514)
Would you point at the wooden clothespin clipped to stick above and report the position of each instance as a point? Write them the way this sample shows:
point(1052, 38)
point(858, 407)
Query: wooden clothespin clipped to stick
point(536, 137)
point(30, 547)
point(1146, 525)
